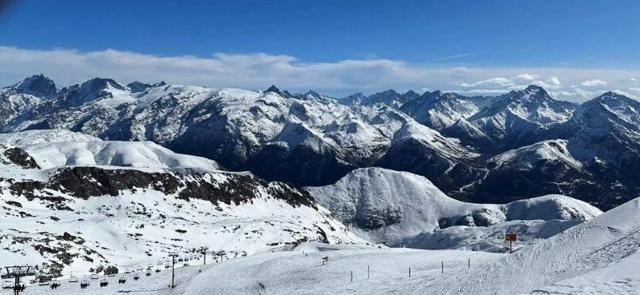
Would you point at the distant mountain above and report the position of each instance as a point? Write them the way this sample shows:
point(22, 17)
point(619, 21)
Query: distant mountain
point(310, 139)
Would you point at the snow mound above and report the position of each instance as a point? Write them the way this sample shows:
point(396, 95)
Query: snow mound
point(391, 206)
point(527, 157)
point(551, 207)
point(58, 148)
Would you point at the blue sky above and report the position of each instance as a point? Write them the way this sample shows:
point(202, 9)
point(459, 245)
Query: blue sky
point(367, 45)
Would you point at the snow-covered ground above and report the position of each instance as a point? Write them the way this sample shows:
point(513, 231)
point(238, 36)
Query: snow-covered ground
point(596, 257)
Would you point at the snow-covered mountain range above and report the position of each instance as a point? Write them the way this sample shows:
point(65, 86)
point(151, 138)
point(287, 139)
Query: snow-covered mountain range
point(465, 145)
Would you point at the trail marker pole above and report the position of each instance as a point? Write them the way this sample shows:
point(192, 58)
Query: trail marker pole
point(409, 271)
point(352, 276)
point(368, 273)
point(510, 237)
point(173, 268)
point(469, 262)
point(442, 265)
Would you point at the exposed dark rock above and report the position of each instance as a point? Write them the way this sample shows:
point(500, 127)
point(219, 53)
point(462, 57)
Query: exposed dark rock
point(21, 158)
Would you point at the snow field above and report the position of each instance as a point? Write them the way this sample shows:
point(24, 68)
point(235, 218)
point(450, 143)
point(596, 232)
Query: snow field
point(304, 273)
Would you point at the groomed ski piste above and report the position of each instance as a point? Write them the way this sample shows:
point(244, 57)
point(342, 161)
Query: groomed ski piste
point(596, 257)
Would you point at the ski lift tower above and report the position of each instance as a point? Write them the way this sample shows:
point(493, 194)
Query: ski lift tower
point(16, 272)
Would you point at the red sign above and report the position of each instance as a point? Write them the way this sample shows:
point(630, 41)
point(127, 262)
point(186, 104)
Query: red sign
point(511, 237)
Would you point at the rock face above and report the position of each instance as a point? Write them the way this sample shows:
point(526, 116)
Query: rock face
point(93, 215)
point(310, 139)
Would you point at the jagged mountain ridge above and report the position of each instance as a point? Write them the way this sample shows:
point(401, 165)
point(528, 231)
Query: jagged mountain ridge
point(310, 139)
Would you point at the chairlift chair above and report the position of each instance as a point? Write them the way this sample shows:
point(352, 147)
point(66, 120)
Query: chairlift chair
point(7, 284)
point(73, 279)
point(84, 284)
point(104, 283)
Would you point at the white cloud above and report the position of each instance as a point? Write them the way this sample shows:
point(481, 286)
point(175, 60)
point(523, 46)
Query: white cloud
point(259, 70)
point(593, 83)
point(527, 77)
point(554, 81)
point(495, 82)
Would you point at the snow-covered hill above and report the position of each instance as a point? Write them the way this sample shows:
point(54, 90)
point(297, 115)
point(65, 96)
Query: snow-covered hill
point(590, 258)
point(395, 207)
point(57, 148)
point(72, 202)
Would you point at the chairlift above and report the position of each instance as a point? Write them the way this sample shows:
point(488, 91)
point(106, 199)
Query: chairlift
point(8, 284)
point(55, 285)
point(122, 280)
point(84, 284)
point(104, 283)
point(148, 274)
point(136, 277)
point(73, 279)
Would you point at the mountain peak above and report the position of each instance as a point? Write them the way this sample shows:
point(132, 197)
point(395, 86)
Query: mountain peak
point(276, 90)
point(137, 86)
point(532, 93)
point(273, 88)
point(89, 90)
point(313, 94)
point(37, 85)
point(533, 89)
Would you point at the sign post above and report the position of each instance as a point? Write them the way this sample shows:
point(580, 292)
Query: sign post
point(510, 237)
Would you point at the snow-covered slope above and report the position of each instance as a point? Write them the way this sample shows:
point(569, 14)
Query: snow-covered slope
point(57, 148)
point(596, 250)
point(72, 202)
point(595, 257)
point(392, 206)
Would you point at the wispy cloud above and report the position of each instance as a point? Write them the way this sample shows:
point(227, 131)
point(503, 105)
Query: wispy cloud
point(259, 70)
point(452, 57)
